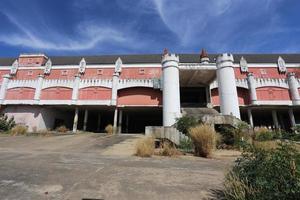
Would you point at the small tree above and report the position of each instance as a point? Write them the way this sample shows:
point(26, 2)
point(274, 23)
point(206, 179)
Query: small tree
point(183, 124)
point(6, 123)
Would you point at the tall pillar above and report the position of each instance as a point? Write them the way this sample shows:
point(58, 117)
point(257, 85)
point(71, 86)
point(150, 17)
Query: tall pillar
point(115, 120)
point(293, 85)
point(75, 89)
point(114, 91)
point(229, 104)
point(38, 88)
point(292, 117)
point(252, 88)
point(120, 121)
point(250, 117)
point(4, 85)
point(75, 122)
point(86, 114)
point(275, 119)
point(171, 90)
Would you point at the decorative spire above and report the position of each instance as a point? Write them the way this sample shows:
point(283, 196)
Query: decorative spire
point(165, 52)
point(204, 57)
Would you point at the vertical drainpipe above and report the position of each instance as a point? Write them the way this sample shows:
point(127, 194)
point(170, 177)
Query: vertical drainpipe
point(293, 85)
point(38, 89)
point(252, 88)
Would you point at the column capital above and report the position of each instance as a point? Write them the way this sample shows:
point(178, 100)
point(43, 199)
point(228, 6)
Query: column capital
point(224, 60)
point(250, 74)
point(291, 74)
point(7, 76)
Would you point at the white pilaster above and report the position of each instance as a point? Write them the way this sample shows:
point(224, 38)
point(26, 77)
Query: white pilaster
point(114, 90)
point(75, 121)
point(38, 88)
point(86, 114)
point(250, 117)
point(5, 82)
point(252, 88)
point(292, 117)
point(120, 121)
point(227, 86)
point(115, 120)
point(75, 89)
point(275, 119)
point(171, 89)
point(293, 85)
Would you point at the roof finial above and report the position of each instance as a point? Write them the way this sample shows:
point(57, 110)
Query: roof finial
point(166, 51)
point(204, 57)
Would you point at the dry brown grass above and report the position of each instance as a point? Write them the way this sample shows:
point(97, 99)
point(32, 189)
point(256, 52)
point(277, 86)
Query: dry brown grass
point(145, 147)
point(109, 129)
point(204, 139)
point(19, 130)
point(168, 149)
point(62, 129)
point(266, 145)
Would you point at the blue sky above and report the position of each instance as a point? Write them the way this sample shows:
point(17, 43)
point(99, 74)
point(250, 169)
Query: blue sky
point(93, 27)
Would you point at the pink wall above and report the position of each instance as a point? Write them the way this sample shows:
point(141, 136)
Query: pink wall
point(243, 96)
point(141, 73)
point(95, 93)
point(265, 72)
point(56, 93)
point(215, 99)
point(103, 73)
point(32, 61)
point(62, 74)
point(20, 93)
point(3, 72)
point(139, 96)
point(26, 74)
point(272, 93)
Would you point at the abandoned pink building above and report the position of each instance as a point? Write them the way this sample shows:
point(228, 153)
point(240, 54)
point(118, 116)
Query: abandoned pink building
point(134, 91)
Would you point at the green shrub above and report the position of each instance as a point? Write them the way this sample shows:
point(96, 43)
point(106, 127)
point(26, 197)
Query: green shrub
point(265, 174)
point(5, 123)
point(204, 139)
point(264, 134)
point(19, 130)
point(186, 145)
point(183, 124)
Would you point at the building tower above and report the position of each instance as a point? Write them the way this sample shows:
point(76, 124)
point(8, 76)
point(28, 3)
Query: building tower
point(171, 90)
point(229, 104)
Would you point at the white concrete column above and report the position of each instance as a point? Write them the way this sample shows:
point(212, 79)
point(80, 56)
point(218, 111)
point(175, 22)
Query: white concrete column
point(252, 88)
point(38, 88)
point(75, 121)
point(275, 119)
point(250, 117)
point(86, 115)
point(229, 104)
point(171, 89)
point(114, 91)
point(4, 85)
point(99, 122)
point(75, 89)
point(292, 117)
point(120, 121)
point(293, 85)
point(115, 126)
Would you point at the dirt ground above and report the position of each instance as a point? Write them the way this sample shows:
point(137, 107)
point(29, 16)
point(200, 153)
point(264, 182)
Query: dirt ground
point(94, 166)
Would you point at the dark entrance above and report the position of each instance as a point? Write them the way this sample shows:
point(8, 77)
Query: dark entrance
point(193, 97)
point(134, 120)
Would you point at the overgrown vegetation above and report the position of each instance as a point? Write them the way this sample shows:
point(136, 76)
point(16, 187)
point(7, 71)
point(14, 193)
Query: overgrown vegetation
point(19, 130)
point(265, 174)
point(186, 145)
point(62, 129)
point(167, 149)
point(109, 129)
point(145, 147)
point(6, 123)
point(183, 124)
point(204, 140)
